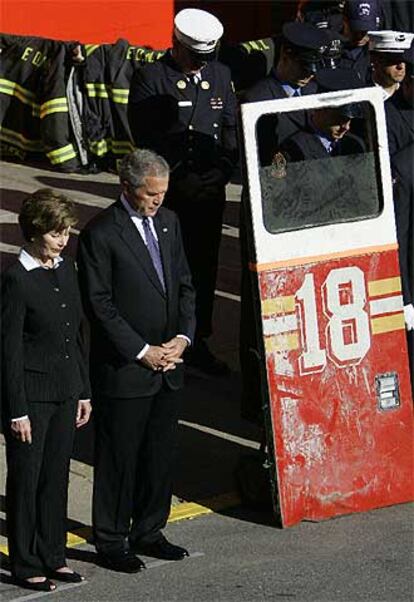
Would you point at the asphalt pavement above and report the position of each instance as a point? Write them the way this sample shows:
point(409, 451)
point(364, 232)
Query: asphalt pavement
point(240, 556)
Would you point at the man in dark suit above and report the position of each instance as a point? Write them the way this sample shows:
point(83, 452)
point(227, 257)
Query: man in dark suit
point(138, 292)
point(184, 108)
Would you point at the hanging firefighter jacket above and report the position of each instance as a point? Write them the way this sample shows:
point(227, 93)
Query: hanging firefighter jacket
point(74, 113)
point(33, 104)
point(108, 72)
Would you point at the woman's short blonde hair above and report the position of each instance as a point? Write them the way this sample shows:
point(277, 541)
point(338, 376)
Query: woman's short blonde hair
point(46, 210)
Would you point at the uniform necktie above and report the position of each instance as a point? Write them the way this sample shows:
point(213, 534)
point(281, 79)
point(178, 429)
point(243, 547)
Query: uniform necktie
point(296, 93)
point(154, 250)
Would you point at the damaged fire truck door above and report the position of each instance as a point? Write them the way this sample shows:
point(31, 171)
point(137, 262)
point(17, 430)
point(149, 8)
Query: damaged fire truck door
point(324, 255)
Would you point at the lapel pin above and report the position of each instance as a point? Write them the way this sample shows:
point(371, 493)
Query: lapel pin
point(181, 85)
point(165, 229)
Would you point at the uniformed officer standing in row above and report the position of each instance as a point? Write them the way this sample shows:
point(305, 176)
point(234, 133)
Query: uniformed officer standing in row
point(399, 109)
point(327, 132)
point(184, 107)
point(400, 125)
point(359, 18)
point(302, 49)
point(386, 49)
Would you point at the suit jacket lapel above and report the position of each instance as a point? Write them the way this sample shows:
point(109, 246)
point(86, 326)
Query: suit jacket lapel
point(132, 238)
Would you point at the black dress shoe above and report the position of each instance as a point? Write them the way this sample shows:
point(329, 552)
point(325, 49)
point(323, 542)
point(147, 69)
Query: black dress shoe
point(72, 577)
point(124, 562)
point(37, 586)
point(161, 548)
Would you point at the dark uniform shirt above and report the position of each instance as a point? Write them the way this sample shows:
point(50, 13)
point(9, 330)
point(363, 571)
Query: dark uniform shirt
point(308, 145)
point(400, 122)
point(192, 125)
point(274, 130)
point(357, 59)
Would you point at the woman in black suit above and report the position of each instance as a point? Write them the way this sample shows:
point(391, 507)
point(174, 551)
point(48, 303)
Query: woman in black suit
point(46, 390)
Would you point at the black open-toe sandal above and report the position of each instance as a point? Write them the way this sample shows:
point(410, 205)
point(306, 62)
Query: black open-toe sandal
point(38, 586)
point(72, 577)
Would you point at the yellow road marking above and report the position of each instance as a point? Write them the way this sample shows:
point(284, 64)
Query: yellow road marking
point(184, 510)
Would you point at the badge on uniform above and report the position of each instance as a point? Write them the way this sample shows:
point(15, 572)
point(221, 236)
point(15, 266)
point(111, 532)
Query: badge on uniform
point(181, 85)
point(216, 103)
point(205, 85)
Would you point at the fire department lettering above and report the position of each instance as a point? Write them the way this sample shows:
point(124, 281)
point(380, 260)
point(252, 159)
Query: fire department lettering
point(37, 58)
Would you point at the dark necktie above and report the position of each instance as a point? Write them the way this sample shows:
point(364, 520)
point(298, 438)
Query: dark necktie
point(153, 250)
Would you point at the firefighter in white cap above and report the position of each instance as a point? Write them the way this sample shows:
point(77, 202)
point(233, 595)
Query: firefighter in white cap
point(386, 50)
point(184, 108)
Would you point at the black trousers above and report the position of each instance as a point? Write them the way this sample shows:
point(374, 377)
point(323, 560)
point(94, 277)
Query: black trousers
point(135, 444)
point(37, 489)
point(200, 211)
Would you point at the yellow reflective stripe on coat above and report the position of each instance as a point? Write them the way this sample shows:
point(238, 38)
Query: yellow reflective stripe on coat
point(100, 90)
point(60, 155)
point(17, 139)
point(118, 147)
point(97, 90)
point(99, 147)
point(25, 96)
point(120, 95)
point(55, 105)
point(89, 48)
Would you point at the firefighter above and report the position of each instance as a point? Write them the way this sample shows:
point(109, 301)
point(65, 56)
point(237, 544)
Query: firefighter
point(359, 18)
point(400, 108)
point(184, 108)
point(302, 49)
point(327, 131)
point(386, 55)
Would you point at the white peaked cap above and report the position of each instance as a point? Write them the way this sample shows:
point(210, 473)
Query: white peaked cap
point(197, 30)
point(389, 41)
